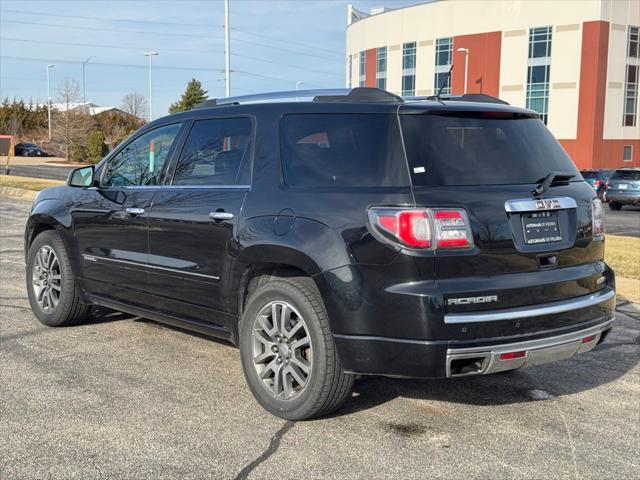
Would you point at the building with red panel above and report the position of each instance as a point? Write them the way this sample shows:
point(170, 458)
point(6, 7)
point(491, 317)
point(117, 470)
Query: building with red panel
point(574, 62)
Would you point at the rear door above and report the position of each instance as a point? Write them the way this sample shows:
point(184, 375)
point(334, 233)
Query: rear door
point(625, 181)
point(489, 165)
point(194, 220)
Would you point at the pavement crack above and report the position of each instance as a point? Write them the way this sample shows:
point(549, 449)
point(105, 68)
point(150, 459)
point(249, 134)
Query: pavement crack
point(273, 448)
point(17, 307)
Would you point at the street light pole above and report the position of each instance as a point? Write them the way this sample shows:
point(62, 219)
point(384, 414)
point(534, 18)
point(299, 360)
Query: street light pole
point(150, 55)
point(84, 89)
point(466, 66)
point(49, 67)
point(227, 50)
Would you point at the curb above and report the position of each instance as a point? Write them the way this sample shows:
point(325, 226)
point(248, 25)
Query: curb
point(21, 193)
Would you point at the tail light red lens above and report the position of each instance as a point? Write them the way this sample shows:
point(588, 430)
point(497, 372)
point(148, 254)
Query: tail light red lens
point(422, 228)
point(597, 183)
point(597, 221)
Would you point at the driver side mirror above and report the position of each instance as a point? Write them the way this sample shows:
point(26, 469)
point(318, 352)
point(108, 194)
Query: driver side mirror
point(81, 177)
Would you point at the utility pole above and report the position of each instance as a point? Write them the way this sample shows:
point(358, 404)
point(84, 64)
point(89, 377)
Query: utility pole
point(227, 50)
point(466, 67)
point(49, 67)
point(84, 88)
point(150, 55)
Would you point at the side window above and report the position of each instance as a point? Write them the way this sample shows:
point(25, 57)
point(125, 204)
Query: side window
point(213, 152)
point(141, 161)
point(342, 150)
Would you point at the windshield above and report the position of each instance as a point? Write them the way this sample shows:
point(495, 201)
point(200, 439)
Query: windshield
point(471, 150)
point(589, 175)
point(632, 175)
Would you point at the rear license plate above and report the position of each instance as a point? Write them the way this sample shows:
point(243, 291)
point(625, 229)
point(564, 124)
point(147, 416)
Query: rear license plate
point(541, 227)
point(623, 186)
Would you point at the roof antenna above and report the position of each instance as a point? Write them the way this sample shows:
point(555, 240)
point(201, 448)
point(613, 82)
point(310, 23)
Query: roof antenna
point(442, 85)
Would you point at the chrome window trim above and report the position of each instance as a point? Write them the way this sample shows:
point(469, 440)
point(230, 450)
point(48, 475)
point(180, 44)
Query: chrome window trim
point(93, 258)
point(549, 308)
point(533, 205)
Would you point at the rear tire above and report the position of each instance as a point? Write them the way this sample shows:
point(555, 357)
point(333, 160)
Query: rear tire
point(615, 206)
point(53, 294)
point(274, 358)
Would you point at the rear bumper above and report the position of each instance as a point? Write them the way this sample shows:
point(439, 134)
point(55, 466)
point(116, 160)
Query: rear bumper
point(624, 198)
point(510, 356)
point(450, 358)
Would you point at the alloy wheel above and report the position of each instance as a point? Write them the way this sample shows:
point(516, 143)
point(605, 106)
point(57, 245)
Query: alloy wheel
point(47, 279)
point(282, 352)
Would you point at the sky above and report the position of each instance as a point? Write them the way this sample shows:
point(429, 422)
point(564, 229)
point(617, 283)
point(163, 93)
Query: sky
point(274, 44)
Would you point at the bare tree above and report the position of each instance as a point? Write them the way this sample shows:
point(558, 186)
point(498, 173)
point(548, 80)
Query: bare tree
point(72, 127)
point(135, 104)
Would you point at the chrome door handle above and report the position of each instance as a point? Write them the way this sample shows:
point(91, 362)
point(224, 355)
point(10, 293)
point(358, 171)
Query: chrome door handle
point(220, 215)
point(134, 211)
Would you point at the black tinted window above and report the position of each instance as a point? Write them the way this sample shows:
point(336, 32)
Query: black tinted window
point(633, 175)
point(456, 150)
point(589, 175)
point(141, 161)
point(343, 150)
point(213, 152)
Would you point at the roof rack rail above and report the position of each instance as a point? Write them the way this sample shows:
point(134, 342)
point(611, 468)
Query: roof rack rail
point(359, 94)
point(469, 97)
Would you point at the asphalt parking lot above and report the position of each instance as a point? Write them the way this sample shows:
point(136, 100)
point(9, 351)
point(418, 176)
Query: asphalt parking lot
point(123, 397)
point(623, 222)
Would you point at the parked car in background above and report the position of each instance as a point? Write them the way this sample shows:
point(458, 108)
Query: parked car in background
point(623, 188)
point(352, 233)
point(597, 178)
point(29, 150)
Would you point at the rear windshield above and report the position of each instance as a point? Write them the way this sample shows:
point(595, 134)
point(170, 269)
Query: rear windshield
point(469, 150)
point(633, 175)
point(343, 150)
point(589, 175)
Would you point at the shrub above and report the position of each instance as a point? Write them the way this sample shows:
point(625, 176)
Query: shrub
point(96, 148)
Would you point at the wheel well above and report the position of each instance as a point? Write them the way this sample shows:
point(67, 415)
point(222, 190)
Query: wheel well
point(36, 230)
point(255, 275)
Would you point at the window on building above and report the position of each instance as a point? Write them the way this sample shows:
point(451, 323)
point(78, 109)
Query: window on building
point(362, 69)
point(444, 48)
point(409, 69)
point(630, 113)
point(627, 153)
point(381, 68)
point(538, 71)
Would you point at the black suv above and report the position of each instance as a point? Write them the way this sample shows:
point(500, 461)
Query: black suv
point(344, 233)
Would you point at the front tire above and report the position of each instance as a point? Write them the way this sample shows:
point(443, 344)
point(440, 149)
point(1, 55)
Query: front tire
point(287, 350)
point(615, 206)
point(53, 294)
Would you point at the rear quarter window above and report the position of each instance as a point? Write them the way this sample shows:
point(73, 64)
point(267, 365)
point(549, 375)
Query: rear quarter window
point(342, 150)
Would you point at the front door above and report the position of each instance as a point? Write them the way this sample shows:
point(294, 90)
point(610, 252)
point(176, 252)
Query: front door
point(194, 219)
point(111, 221)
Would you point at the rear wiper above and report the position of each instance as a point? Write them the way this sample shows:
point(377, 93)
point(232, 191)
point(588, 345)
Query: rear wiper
point(549, 180)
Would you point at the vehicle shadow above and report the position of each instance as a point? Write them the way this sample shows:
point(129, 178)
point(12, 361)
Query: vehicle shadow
point(99, 315)
point(616, 356)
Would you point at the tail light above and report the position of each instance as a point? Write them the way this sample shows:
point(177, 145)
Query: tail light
point(422, 228)
point(597, 183)
point(597, 217)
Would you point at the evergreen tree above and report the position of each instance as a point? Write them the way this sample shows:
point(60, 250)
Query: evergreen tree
point(192, 96)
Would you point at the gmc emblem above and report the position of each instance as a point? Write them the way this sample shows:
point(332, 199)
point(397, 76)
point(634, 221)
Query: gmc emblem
point(547, 204)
